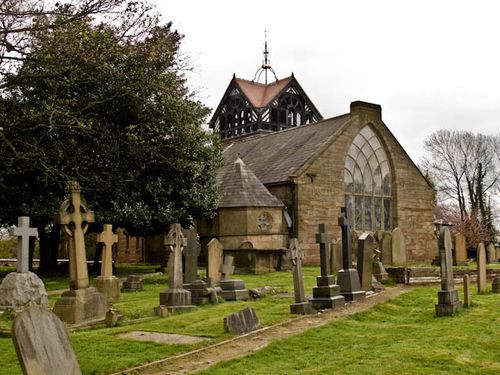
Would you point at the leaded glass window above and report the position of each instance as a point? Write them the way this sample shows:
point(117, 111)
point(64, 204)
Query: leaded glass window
point(367, 182)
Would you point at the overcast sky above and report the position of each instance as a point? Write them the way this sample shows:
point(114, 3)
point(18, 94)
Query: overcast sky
point(430, 64)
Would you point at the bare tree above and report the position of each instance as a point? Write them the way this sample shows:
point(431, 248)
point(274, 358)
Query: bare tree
point(465, 168)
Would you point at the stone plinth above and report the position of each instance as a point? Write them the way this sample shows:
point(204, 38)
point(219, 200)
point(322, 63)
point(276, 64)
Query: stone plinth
point(109, 286)
point(81, 305)
point(301, 308)
point(176, 300)
point(350, 287)
point(233, 290)
point(326, 295)
point(17, 289)
point(132, 284)
point(495, 285)
point(448, 302)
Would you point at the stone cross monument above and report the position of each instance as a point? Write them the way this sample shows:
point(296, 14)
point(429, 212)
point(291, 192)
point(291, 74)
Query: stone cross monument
point(448, 301)
point(326, 293)
point(106, 283)
point(232, 289)
point(23, 232)
point(80, 303)
point(17, 289)
point(300, 306)
point(348, 278)
point(227, 268)
point(176, 298)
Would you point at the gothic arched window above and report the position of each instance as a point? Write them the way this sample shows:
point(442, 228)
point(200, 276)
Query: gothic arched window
point(367, 183)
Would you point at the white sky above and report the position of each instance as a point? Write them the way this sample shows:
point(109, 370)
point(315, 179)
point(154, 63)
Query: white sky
point(430, 64)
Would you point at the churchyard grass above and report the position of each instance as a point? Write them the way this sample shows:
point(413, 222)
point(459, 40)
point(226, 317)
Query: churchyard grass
point(399, 336)
point(402, 336)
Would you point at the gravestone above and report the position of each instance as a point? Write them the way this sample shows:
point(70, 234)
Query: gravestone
point(191, 254)
point(203, 292)
point(243, 321)
point(398, 248)
point(387, 248)
point(460, 250)
point(326, 295)
point(335, 257)
point(481, 269)
point(379, 271)
point(106, 282)
point(366, 246)
point(19, 288)
point(467, 295)
point(301, 306)
point(81, 303)
point(492, 253)
point(495, 285)
point(231, 289)
point(42, 343)
point(132, 284)
point(348, 278)
point(214, 261)
point(176, 298)
point(448, 301)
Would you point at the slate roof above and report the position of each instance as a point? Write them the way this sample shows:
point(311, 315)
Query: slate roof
point(261, 94)
point(238, 187)
point(276, 156)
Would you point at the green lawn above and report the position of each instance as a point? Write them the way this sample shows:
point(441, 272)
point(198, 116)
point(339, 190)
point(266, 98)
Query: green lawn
point(400, 336)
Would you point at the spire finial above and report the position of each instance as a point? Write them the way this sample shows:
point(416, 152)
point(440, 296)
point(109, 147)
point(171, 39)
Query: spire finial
point(266, 63)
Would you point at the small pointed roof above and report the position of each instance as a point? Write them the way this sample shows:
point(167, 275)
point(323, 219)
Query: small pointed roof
point(239, 187)
point(260, 94)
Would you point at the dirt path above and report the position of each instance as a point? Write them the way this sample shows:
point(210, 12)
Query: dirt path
point(243, 345)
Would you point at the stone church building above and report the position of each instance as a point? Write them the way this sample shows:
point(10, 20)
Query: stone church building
point(286, 170)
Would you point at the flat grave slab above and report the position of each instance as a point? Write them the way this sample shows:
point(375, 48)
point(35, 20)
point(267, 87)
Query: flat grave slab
point(162, 338)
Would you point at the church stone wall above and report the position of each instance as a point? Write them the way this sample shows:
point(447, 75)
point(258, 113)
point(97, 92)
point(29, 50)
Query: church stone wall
point(320, 191)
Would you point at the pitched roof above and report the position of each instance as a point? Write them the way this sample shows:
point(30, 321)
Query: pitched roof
point(238, 187)
point(261, 94)
point(277, 156)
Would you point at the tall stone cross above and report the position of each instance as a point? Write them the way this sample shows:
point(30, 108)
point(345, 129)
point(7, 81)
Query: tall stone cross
point(345, 224)
point(23, 232)
point(176, 241)
point(108, 238)
point(296, 257)
point(75, 218)
point(324, 240)
point(227, 268)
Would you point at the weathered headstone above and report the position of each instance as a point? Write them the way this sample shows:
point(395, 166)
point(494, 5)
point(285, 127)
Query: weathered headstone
point(214, 260)
point(495, 285)
point(379, 271)
point(467, 295)
point(106, 283)
point(387, 248)
point(335, 256)
point(492, 253)
point(176, 298)
point(301, 306)
point(366, 246)
point(242, 321)
point(348, 278)
point(191, 254)
point(19, 288)
point(227, 268)
point(460, 250)
point(448, 301)
point(132, 284)
point(398, 248)
point(481, 268)
point(81, 303)
point(23, 232)
point(326, 295)
point(42, 343)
